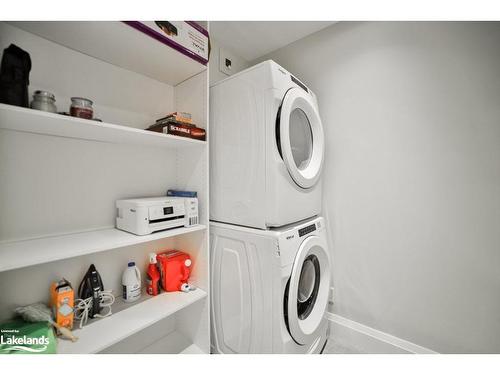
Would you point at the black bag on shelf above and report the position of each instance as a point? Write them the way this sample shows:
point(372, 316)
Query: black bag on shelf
point(14, 76)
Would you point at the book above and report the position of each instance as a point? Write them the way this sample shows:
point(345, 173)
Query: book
point(157, 128)
point(181, 193)
point(177, 116)
point(180, 114)
point(161, 125)
point(167, 121)
point(182, 130)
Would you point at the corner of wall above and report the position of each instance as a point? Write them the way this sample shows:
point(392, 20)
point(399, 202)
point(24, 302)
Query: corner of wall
point(238, 63)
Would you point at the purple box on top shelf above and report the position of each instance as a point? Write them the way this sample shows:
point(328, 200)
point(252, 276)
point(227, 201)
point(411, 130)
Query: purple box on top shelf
point(187, 37)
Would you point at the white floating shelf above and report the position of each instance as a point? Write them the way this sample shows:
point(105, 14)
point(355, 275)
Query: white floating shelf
point(120, 45)
point(130, 319)
point(26, 253)
point(39, 122)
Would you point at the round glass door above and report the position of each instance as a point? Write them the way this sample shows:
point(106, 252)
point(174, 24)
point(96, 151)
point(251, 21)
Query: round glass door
point(301, 138)
point(308, 290)
point(308, 286)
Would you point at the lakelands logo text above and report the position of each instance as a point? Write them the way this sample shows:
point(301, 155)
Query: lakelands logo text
point(10, 342)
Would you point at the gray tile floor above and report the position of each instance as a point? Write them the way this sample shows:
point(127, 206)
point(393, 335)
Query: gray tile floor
point(333, 347)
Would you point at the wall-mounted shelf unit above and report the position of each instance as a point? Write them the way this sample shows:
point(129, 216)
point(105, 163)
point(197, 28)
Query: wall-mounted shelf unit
point(128, 320)
point(50, 249)
point(61, 176)
point(39, 122)
point(120, 45)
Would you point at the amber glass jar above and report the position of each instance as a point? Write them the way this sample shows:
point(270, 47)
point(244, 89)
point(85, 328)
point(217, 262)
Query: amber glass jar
point(81, 107)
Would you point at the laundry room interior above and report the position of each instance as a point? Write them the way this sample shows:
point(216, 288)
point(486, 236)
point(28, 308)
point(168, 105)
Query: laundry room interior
point(250, 187)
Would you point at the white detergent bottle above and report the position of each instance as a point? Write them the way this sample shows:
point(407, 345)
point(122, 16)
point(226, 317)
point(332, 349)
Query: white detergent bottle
point(131, 283)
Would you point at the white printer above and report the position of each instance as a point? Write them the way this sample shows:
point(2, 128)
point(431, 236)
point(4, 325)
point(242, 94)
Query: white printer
point(147, 215)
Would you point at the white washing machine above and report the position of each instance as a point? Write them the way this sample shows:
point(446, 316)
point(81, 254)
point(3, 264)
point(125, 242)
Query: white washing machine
point(269, 288)
point(266, 149)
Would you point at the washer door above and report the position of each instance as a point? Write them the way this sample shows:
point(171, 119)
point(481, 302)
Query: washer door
point(308, 290)
point(301, 139)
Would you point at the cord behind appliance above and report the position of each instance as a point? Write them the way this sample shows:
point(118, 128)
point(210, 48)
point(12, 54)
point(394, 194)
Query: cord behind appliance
point(84, 306)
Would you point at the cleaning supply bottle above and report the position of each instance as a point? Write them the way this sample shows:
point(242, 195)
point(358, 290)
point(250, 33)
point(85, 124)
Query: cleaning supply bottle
point(131, 283)
point(153, 276)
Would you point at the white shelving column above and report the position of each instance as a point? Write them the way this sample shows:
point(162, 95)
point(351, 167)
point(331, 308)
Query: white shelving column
point(61, 176)
point(194, 94)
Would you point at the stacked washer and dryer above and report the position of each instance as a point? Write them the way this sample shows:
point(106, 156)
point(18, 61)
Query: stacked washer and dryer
point(270, 263)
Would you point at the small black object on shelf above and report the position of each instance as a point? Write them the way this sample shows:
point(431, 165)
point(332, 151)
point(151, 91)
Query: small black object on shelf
point(14, 76)
point(91, 286)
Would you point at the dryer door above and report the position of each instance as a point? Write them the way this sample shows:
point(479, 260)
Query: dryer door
point(308, 290)
point(300, 137)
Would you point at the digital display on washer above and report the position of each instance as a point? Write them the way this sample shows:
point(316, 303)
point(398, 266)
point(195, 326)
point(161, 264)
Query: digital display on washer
point(168, 210)
point(306, 230)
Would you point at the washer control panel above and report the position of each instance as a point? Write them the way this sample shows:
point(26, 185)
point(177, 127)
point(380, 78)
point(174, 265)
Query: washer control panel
point(307, 230)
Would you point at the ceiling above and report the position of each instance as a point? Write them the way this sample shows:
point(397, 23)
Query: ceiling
point(253, 39)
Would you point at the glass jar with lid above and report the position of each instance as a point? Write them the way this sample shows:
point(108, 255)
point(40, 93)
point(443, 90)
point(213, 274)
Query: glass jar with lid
point(44, 101)
point(81, 107)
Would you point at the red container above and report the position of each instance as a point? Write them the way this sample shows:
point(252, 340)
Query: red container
point(175, 269)
point(153, 276)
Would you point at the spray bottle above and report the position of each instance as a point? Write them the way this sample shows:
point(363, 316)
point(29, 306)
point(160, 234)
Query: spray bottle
point(153, 276)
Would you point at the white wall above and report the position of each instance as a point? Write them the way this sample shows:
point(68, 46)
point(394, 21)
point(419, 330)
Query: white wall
point(412, 177)
point(71, 185)
point(238, 62)
point(120, 96)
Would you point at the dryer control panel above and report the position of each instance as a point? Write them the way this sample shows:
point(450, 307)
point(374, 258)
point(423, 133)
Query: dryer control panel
point(300, 84)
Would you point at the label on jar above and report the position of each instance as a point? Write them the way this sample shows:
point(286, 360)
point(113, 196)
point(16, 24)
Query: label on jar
point(82, 112)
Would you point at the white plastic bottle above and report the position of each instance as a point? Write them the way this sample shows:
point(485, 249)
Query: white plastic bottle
point(131, 283)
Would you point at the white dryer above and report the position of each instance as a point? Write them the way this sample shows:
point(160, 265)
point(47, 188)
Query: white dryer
point(269, 288)
point(266, 149)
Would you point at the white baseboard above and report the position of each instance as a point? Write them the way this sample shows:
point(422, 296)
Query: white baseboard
point(368, 340)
